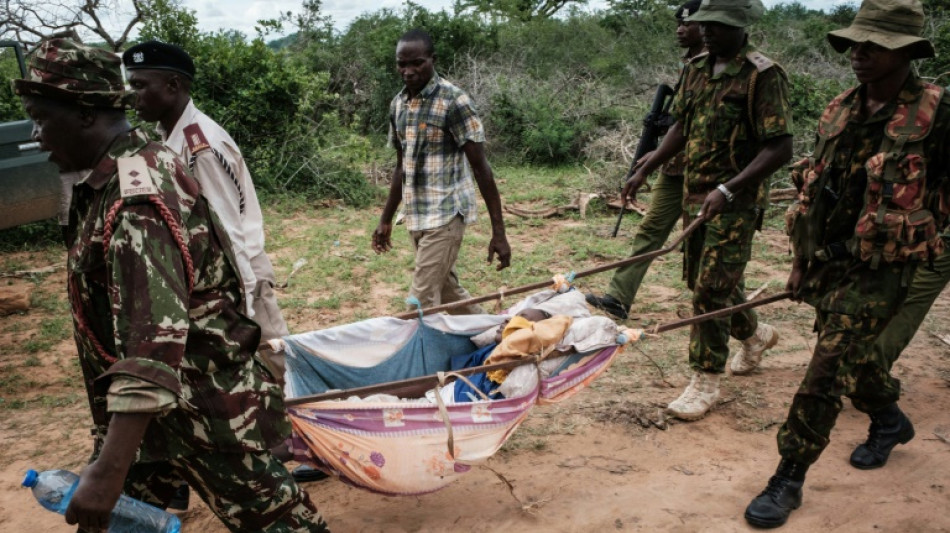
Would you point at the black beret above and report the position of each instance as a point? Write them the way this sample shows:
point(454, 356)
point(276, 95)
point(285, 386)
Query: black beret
point(159, 55)
point(687, 9)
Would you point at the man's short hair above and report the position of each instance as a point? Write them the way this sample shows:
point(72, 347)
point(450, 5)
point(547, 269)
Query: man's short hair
point(418, 35)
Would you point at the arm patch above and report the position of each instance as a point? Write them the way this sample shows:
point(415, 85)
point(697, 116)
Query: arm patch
point(195, 138)
point(761, 62)
point(135, 179)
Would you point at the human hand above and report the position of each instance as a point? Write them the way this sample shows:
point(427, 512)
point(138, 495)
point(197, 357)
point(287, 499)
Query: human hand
point(94, 499)
point(794, 283)
point(499, 245)
point(713, 205)
point(629, 192)
point(382, 241)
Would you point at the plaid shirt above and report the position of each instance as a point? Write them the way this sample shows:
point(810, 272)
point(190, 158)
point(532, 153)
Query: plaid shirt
point(430, 130)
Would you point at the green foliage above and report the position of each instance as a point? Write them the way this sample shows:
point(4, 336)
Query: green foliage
point(361, 61)
point(938, 31)
point(808, 97)
point(281, 113)
point(516, 10)
point(10, 107)
point(33, 236)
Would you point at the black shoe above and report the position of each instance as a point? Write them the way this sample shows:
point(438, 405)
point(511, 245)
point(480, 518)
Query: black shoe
point(607, 303)
point(179, 501)
point(306, 474)
point(781, 496)
point(889, 427)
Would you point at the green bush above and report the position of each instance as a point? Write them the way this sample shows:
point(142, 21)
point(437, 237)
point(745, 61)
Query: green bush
point(279, 112)
point(10, 106)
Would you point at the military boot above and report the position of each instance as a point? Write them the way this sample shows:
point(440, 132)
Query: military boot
point(750, 354)
point(700, 395)
point(607, 303)
point(889, 427)
point(781, 496)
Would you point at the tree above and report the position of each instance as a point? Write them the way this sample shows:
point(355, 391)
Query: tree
point(29, 21)
point(520, 10)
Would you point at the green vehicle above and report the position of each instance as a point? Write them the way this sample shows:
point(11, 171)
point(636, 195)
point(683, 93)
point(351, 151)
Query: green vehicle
point(30, 188)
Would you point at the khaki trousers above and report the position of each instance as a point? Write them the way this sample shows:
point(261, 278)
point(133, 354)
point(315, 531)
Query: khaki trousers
point(434, 281)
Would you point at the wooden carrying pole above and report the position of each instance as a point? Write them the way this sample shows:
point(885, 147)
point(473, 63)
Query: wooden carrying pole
point(431, 380)
point(544, 284)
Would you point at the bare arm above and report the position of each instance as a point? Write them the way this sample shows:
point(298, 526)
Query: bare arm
point(673, 143)
point(776, 152)
point(101, 482)
point(475, 153)
point(382, 241)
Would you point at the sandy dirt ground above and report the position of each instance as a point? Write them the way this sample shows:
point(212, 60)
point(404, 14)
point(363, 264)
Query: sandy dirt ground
point(605, 460)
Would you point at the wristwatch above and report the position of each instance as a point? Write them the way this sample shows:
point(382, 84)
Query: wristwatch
point(726, 192)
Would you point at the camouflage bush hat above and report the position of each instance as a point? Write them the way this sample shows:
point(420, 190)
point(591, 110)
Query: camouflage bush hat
point(66, 70)
point(893, 24)
point(736, 13)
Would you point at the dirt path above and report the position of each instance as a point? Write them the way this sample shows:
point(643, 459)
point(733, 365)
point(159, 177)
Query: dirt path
point(586, 465)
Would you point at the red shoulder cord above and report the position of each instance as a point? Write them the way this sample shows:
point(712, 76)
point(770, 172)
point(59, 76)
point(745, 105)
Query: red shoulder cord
point(166, 214)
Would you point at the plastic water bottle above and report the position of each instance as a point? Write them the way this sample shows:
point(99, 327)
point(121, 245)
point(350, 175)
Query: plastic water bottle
point(54, 488)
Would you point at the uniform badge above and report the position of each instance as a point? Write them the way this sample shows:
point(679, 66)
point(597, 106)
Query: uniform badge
point(138, 57)
point(195, 138)
point(134, 177)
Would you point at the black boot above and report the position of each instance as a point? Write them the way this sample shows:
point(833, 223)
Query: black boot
point(781, 496)
point(180, 499)
point(306, 474)
point(889, 427)
point(607, 303)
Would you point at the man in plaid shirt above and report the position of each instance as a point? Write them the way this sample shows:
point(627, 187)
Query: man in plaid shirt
point(439, 142)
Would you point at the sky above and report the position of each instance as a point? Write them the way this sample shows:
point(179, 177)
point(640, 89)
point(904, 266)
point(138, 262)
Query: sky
point(243, 14)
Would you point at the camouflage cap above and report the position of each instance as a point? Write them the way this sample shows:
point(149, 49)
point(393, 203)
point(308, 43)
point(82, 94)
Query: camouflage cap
point(893, 24)
point(736, 13)
point(67, 70)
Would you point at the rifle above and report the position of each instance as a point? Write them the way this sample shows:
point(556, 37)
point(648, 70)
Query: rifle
point(657, 121)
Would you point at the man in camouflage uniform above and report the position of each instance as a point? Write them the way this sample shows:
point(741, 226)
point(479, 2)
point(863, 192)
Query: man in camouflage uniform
point(166, 354)
point(868, 215)
point(733, 120)
point(666, 199)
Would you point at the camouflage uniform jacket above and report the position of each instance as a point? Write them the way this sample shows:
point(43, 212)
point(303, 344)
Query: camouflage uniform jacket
point(842, 200)
point(156, 338)
point(721, 137)
point(676, 165)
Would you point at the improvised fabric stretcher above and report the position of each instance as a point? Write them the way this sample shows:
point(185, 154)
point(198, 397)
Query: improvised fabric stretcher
point(403, 447)
point(390, 445)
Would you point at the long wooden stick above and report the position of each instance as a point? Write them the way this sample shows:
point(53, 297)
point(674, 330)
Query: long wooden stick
point(431, 380)
point(720, 313)
point(649, 256)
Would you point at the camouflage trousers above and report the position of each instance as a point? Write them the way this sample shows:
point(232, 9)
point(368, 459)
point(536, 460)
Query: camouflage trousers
point(851, 317)
point(716, 254)
point(248, 492)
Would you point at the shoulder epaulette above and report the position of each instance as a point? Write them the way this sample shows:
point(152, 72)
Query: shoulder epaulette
point(195, 138)
point(761, 62)
point(697, 57)
point(135, 179)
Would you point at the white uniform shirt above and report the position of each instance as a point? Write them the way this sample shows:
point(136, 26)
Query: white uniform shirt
point(226, 194)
